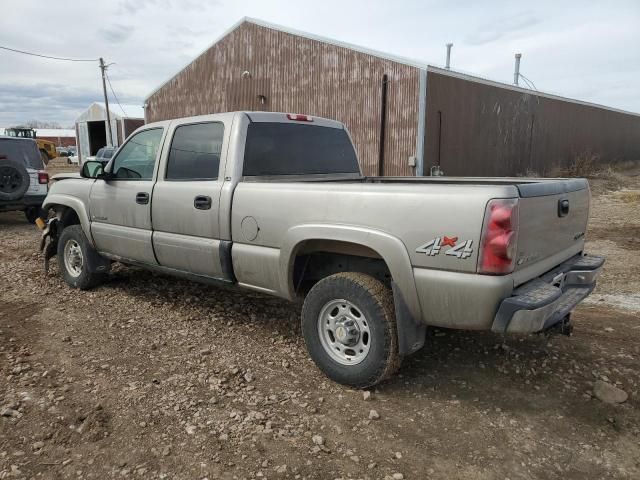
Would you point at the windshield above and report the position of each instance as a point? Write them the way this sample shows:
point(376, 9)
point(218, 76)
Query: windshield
point(20, 132)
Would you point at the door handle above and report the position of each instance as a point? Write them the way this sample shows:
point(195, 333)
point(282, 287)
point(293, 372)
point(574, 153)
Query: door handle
point(142, 198)
point(563, 207)
point(202, 202)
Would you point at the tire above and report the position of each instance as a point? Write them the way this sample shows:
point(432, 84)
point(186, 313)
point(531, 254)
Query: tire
point(32, 213)
point(45, 157)
point(14, 180)
point(364, 351)
point(76, 258)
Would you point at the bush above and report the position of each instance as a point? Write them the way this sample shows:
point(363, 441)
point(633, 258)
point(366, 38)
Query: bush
point(586, 164)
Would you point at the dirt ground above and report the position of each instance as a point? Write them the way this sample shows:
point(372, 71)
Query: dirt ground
point(153, 377)
point(60, 165)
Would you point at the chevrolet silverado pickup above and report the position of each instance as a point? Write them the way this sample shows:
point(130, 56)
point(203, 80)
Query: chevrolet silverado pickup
point(277, 203)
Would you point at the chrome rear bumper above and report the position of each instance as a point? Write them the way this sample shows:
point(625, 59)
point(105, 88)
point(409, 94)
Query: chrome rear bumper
point(541, 303)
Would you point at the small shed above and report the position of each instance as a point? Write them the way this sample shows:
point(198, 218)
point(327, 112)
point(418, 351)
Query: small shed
point(92, 130)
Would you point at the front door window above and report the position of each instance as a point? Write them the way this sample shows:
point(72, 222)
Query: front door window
point(137, 158)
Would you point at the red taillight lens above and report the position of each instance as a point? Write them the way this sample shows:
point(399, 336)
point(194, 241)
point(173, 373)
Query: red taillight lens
point(43, 178)
point(499, 237)
point(299, 118)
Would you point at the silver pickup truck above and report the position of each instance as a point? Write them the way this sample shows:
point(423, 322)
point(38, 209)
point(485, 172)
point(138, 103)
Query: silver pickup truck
point(277, 203)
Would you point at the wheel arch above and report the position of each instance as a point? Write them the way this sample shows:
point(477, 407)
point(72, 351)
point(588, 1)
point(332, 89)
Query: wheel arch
point(353, 240)
point(63, 205)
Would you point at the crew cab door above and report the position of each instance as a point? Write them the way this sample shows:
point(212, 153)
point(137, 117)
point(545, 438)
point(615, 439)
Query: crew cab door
point(120, 207)
point(186, 198)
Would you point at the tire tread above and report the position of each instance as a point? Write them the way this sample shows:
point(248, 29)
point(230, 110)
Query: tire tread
point(88, 279)
point(383, 296)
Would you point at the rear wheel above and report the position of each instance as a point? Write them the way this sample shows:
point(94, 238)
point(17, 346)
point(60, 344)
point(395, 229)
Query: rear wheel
point(349, 327)
point(76, 258)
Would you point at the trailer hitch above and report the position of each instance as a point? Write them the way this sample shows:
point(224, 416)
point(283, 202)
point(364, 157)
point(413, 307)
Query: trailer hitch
point(563, 327)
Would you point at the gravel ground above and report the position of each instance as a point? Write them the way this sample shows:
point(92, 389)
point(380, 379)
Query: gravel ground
point(153, 377)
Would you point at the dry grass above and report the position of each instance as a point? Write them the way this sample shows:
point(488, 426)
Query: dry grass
point(603, 177)
point(586, 164)
point(630, 196)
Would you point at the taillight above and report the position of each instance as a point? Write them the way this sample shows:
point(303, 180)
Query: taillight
point(299, 118)
point(499, 237)
point(43, 178)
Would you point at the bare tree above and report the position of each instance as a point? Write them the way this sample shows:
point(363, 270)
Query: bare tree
point(41, 124)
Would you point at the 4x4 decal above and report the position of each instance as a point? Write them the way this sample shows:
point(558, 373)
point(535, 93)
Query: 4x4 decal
point(460, 250)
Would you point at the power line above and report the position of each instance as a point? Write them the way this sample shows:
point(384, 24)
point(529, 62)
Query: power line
point(114, 93)
point(48, 56)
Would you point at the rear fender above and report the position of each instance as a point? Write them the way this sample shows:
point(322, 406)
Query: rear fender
point(389, 248)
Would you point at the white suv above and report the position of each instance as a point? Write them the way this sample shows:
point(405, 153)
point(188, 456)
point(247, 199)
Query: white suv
point(23, 180)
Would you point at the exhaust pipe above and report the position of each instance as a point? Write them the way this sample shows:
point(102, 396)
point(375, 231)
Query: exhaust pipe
point(448, 64)
point(516, 72)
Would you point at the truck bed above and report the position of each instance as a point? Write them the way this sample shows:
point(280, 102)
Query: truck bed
point(527, 187)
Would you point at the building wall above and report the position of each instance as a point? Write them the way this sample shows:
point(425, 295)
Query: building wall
point(130, 125)
point(487, 130)
point(118, 132)
point(61, 141)
point(297, 74)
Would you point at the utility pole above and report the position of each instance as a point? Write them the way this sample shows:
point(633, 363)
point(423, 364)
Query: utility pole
point(103, 67)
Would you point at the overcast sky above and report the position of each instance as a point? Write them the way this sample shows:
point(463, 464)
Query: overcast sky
point(582, 49)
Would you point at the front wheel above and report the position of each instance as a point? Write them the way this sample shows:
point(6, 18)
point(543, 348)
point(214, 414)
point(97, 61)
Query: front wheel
point(349, 327)
point(76, 257)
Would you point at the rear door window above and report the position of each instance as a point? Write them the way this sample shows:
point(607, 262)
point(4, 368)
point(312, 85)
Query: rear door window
point(195, 152)
point(293, 149)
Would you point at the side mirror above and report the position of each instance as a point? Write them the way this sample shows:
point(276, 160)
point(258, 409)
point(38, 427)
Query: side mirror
point(92, 169)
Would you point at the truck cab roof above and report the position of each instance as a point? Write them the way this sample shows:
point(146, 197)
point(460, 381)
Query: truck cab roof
point(279, 117)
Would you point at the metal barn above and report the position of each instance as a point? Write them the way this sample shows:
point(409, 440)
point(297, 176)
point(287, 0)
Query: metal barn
point(404, 116)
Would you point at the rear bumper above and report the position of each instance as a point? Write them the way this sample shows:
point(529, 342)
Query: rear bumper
point(541, 303)
point(22, 203)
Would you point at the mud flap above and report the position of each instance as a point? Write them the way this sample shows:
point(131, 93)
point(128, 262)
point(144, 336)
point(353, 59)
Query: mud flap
point(411, 332)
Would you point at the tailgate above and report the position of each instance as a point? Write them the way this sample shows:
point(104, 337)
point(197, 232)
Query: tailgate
point(553, 217)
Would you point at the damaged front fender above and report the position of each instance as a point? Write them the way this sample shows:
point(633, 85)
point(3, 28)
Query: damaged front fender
point(49, 240)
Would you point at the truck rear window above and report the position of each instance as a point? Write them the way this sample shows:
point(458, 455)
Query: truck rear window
point(291, 149)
